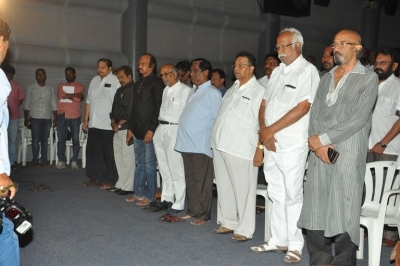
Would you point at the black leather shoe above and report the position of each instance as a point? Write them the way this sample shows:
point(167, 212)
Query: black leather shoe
point(124, 192)
point(114, 189)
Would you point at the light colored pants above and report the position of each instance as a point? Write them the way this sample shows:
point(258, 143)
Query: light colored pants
point(284, 173)
point(124, 156)
point(170, 166)
point(236, 180)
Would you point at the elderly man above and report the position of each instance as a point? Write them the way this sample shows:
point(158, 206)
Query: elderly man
point(235, 144)
point(40, 102)
point(271, 62)
point(9, 254)
point(283, 132)
point(170, 163)
point(147, 97)
point(194, 141)
point(384, 139)
point(341, 120)
point(327, 60)
point(100, 166)
point(120, 115)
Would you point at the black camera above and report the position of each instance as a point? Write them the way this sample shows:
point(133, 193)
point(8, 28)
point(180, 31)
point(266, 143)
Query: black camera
point(21, 218)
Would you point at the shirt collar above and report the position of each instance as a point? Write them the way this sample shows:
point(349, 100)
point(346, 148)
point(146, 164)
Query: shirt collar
point(293, 65)
point(358, 68)
point(253, 79)
point(204, 85)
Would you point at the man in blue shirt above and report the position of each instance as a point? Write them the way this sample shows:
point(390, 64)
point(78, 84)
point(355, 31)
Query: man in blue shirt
point(194, 141)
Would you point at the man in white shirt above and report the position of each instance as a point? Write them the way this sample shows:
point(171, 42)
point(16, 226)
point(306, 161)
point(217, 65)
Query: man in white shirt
point(100, 163)
point(271, 62)
point(170, 162)
point(384, 139)
point(284, 133)
point(234, 143)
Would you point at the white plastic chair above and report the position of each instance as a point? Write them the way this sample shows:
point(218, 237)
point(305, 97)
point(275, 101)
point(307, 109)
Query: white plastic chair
point(26, 140)
point(381, 206)
point(69, 145)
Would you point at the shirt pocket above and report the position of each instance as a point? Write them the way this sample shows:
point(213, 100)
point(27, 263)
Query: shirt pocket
point(386, 106)
point(242, 104)
point(35, 97)
point(287, 96)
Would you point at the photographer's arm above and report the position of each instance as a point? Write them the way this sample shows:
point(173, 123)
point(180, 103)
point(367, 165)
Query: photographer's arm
point(5, 181)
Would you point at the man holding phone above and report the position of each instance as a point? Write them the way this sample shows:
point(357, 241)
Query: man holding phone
point(341, 120)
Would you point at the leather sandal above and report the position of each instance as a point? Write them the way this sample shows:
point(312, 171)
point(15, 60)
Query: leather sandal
point(292, 256)
point(388, 242)
point(222, 230)
point(239, 238)
point(269, 248)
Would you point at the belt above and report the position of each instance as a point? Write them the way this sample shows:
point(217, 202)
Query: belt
point(166, 123)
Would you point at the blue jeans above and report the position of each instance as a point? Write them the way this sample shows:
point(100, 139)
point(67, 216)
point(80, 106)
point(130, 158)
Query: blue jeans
point(62, 128)
point(40, 134)
point(9, 247)
point(12, 130)
point(146, 170)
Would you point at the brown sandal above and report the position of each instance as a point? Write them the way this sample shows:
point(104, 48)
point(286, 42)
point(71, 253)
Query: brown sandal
point(239, 238)
point(292, 256)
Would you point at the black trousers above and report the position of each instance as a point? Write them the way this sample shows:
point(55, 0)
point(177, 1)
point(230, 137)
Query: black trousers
point(320, 249)
point(199, 184)
point(100, 163)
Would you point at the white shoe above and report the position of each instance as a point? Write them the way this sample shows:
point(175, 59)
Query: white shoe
point(74, 165)
point(269, 248)
point(60, 165)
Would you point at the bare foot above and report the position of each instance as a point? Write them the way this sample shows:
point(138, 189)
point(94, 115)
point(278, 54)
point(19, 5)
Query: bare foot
point(186, 216)
point(198, 222)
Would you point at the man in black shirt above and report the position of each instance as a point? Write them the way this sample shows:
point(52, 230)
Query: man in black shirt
point(147, 97)
point(120, 114)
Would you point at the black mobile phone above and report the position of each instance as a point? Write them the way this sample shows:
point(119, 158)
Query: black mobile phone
point(333, 155)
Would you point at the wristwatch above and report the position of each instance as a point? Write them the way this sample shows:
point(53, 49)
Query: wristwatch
point(383, 145)
point(261, 147)
point(119, 126)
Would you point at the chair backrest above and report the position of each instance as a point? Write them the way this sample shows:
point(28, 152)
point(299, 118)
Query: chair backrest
point(380, 177)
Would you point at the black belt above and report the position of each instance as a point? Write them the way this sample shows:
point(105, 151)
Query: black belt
point(166, 123)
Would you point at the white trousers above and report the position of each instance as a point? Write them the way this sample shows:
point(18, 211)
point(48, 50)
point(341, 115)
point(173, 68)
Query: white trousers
point(284, 173)
point(124, 156)
point(236, 180)
point(170, 166)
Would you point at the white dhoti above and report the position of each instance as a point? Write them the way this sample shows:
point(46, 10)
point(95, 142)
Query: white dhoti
point(124, 156)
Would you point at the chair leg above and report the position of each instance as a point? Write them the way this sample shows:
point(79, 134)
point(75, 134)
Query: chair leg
point(374, 245)
point(68, 153)
point(24, 150)
point(360, 251)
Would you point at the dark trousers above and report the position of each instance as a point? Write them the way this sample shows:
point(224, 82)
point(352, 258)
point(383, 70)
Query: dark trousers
point(320, 249)
point(62, 129)
point(199, 184)
point(40, 129)
point(100, 163)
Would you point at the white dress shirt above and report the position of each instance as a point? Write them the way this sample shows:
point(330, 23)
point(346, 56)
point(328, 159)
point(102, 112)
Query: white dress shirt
point(287, 87)
point(384, 115)
point(263, 81)
point(173, 102)
point(235, 128)
point(100, 97)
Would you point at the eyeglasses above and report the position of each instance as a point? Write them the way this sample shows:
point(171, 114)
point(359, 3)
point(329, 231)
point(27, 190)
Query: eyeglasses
point(165, 74)
point(195, 70)
point(342, 44)
point(239, 65)
point(276, 48)
point(381, 63)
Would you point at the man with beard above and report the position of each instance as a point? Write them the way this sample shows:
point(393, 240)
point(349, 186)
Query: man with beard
point(341, 120)
point(271, 62)
point(100, 164)
point(384, 139)
point(283, 132)
point(147, 97)
point(70, 95)
point(327, 61)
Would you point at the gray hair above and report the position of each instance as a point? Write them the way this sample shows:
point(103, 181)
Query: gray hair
point(297, 37)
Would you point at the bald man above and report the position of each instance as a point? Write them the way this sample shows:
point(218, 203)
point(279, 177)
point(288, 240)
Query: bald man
point(341, 120)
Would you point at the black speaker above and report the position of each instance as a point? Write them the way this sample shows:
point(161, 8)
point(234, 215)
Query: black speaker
point(390, 7)
point(291, 8)
point(324, 3)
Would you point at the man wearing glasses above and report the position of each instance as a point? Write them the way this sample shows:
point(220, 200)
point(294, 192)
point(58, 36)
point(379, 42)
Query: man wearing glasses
point(271, 62)
point(170, 163)
point(384, 139)
point(283, 131)
point(341, 120)
point(194, 141)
